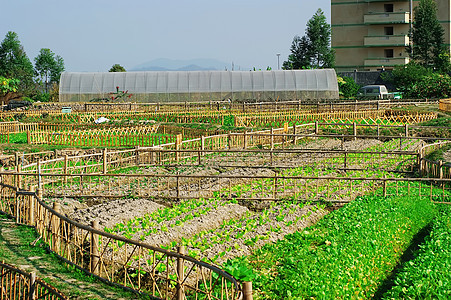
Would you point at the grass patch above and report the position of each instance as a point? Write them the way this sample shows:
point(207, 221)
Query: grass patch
point(16, 249)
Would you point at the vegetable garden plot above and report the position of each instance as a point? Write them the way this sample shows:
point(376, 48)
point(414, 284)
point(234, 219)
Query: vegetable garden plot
point(236, 230)
point(158, 272)
point(198, 182)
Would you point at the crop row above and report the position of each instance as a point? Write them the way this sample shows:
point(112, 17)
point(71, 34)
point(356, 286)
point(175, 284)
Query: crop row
point(348, 254)
point(427, 276)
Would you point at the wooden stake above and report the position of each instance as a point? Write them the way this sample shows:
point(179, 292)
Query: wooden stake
point(95, 249)
point(247, 290)
point(180, 274)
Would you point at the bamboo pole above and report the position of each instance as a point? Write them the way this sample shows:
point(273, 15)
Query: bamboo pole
point(95, 268)
point(180, 274)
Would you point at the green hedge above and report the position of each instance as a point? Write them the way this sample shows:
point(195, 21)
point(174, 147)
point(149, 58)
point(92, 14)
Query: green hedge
point(428, 276)
point(348, 254)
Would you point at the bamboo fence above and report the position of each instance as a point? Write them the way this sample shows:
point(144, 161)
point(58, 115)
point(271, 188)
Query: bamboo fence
point(246, 106)
point(111, 137)
point(445, 105)
point(18, 284)
point(224, 117)
point(434, 169)
point(161, 273)
point(15, 127)
point(100, 160)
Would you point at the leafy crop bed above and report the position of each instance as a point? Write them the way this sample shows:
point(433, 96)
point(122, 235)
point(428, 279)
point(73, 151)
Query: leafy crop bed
point(428, 275)
point(349, 253)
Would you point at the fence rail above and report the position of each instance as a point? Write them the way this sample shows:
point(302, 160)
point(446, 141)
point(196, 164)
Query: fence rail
point(18, 284)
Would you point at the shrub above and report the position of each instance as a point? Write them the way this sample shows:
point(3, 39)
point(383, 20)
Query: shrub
point(348, 88)
point(416, 81)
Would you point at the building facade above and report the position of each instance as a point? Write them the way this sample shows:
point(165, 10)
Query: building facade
point(373, 34)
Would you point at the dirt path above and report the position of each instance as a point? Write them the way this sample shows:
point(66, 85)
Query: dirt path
point(15, 249)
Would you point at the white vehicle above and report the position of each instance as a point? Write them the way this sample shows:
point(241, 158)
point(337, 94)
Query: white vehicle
point(373, 92)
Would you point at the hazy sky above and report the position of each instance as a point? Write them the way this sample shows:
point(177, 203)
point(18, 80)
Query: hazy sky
point(93, 35)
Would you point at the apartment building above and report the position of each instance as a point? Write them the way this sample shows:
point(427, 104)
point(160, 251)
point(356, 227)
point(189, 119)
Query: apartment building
point(373, 34)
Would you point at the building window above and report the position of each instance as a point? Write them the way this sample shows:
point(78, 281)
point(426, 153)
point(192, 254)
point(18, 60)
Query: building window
point(388, 7)
point(388, 53)
point(388, 30)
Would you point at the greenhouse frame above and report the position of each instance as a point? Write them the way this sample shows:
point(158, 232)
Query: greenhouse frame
point(193, 86)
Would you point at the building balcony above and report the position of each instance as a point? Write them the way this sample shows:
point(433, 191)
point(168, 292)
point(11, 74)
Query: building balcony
point(386, 61)
point(386, 41)
point(387, 18)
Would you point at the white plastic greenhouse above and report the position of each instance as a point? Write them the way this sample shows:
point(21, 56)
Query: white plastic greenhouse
point(179, 86)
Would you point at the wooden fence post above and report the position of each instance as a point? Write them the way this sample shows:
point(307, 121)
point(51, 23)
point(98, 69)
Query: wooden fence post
point(95, 268)
point(178, 143)
point(247, 290)
point(137, 155)
point(316, 128)
point(385, 185)
point(56, 227)
point(272, 138)
point(354, 130)
point(65, 167)
point(19, 177)
point(244, 140)
point(294, 134)
point(202, 144)
point(31, 208)
point(28, 137)
point(180, 274)
point(38, 171)
point(406, 130)
point(229, 140)
point(104, 156)
point(31, 291)
point(440, 169)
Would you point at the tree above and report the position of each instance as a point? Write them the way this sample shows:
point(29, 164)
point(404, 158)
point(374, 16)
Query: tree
point(313, 49)
point(299, 58)
point(14, 62)
point(427, 36)
point(117, 68)
point(48, 67)
point(318, 34)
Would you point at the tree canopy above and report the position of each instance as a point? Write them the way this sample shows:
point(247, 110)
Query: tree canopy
point(117, 68)
point(427, 36)
point(14, 62)
point(48, 67)
point(313, 49)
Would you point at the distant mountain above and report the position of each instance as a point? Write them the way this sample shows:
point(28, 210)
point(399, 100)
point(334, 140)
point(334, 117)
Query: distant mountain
point(164, 64)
